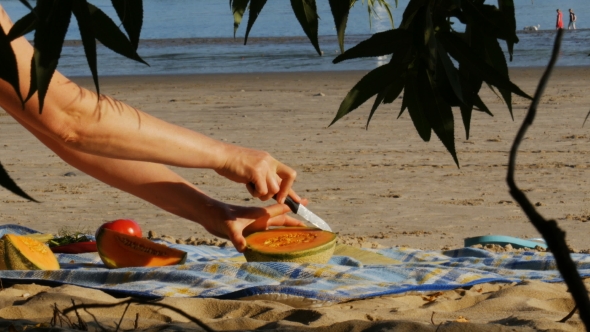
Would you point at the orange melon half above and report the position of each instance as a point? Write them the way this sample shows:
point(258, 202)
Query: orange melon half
point(24, 253)
point(119, 250)
point(291, 244)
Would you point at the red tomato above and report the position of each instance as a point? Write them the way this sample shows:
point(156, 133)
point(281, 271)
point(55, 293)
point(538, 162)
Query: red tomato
point(125, 226)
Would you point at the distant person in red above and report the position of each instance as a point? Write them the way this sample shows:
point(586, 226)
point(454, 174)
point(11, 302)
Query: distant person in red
point(559, 23)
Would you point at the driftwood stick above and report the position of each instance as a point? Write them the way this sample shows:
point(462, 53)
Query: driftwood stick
point(554, 236)
point(129, 301)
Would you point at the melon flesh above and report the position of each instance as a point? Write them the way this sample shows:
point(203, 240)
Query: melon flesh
point(291, 244)
point(119, 250)
point(24, 253)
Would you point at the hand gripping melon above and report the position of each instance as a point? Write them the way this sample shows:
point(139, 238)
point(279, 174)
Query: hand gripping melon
point(291, 244)
point(122, 250)
point(24, 253)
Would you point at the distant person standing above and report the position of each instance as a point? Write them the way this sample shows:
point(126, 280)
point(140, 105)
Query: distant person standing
point(572, 24)
point(559, 23)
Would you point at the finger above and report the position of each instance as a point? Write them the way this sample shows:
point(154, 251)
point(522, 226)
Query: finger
point(238, 240)
point(287, 175)
point(259, 188)
point(285, 220)
point(276, 210)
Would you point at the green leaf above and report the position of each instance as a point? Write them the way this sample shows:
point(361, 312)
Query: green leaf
point(9, 68)
point(495, 57)
point(109, 35)
point(465, 56)
point(255, 9)
point(379, 44)
point(394, 89)
point(82, 13)
point(23, 26)
point(437, 111)
point(449, 75)
point(340, 10)
point(306, 13)
point(410, 12)
point(54, 19)
point(480, 105)
point(371, 84)
point(415, 107)
point(131, 15)
point(238, 8)
point(8, 183)
point(507, 9)
point(26, 3)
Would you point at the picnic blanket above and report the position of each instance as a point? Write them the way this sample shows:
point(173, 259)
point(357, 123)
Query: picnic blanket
point(213, 272)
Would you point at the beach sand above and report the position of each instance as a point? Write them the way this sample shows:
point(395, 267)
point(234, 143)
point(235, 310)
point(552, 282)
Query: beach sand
point(378, 187)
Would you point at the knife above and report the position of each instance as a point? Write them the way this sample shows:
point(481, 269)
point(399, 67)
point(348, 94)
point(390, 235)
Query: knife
point(304, 212)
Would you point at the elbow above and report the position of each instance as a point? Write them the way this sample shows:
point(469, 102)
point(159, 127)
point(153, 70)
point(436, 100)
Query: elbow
point(70, 137)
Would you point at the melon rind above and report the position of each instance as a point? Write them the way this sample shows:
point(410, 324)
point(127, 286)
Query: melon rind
point(317, 255)
point(13, 258)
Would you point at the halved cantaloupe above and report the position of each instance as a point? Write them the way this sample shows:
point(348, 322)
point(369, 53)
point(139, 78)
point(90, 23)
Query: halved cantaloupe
point(121, 250)
point(291, 244)
point(24, 253)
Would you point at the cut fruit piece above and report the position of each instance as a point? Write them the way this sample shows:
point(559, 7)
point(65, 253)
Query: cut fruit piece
point(24, 253)
point(291, 244)
point(121, 250)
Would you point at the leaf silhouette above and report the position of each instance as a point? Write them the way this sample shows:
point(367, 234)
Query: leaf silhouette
point(379, 44)
point(437, 111)
point(130, 13)
point(371, 84)
point(54, 19)
point(464, 55)
point(107, 32)
point(23, 26)
point(415, 107)
point(340, 10)
point(26, 3)
point(306, 13)
point(82, 13)
point(253, 12)
point(8, 69)
point(507, 9)
point(8, 183)
point(238, 8)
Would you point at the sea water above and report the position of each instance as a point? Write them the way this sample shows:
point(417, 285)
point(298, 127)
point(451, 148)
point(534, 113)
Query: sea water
point(196, 36)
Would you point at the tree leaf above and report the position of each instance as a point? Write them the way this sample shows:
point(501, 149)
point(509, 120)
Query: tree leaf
point(507, 9)
point(415, 107)
point(26, 3)
point(23, 26)
point(449, 75)
point(107, 32)
point(391, 91)
point(254, 11)
point(130, 13)
point(465, 56)
point(437, 111)
point(8, 69)
point(340, 10)
point(8, 183)
point(54, 19)
point(480, 105)
point(371, 84)
point(82, 13)
point(394, 89)
point(379, 44)
point(495, 57)
point(306, 13)
point(238, 8)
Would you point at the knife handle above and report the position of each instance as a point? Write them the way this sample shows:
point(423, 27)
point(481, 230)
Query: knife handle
point(294, 206)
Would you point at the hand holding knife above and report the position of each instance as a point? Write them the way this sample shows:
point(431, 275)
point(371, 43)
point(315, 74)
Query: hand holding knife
point(304, 212)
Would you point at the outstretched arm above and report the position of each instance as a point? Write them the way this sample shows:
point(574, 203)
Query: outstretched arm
point(110, 128)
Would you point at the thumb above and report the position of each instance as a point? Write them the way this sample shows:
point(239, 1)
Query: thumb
point(238, 241)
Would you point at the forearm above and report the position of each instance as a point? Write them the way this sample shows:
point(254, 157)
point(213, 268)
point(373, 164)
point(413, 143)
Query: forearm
point(77, 118)
point(154, 183)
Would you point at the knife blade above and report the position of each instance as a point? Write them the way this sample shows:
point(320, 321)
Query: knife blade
point(304, 212)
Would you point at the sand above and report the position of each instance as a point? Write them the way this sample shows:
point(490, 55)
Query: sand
point(378, 187)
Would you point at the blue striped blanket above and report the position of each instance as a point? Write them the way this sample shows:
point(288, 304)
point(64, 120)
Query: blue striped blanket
point(351, 273)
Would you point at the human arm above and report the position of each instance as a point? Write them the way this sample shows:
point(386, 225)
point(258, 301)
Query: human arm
point(79, 119)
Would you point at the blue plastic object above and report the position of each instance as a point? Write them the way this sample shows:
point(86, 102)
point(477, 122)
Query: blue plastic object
point(504, 240)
